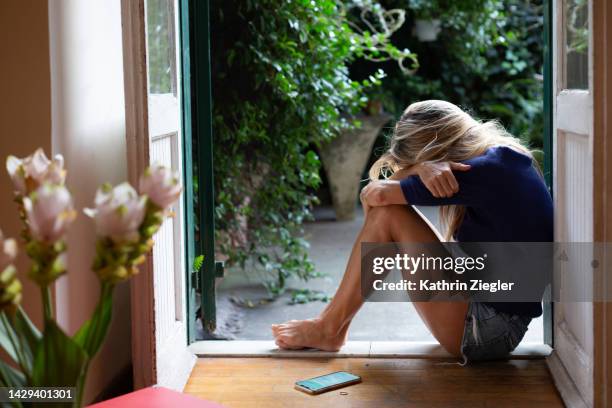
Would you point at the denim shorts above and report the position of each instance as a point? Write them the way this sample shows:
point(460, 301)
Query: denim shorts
point(489, 334)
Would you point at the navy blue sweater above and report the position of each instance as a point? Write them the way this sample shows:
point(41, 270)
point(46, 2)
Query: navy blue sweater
point(506, 200)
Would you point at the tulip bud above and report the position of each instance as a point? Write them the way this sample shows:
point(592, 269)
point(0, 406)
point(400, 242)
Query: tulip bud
point(126, 222)
point(161, 185)
point(30, 173)
point(49, 212)
point(118, 212)
point(8, 251)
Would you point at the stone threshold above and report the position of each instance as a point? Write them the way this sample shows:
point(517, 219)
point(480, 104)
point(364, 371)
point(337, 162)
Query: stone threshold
point(362, 349)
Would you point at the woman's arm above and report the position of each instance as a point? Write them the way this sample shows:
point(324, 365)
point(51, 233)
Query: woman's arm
point(436, 176)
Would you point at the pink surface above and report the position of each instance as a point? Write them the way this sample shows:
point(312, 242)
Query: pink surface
point(156, 397)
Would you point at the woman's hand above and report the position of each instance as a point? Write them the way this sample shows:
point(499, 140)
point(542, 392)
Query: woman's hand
point(438, 177)
point(381, 192)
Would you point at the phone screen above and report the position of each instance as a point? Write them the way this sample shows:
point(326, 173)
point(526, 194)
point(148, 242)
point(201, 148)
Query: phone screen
point(328, 380)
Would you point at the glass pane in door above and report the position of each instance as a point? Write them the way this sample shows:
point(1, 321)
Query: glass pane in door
point(577, 44)
point(161, 56)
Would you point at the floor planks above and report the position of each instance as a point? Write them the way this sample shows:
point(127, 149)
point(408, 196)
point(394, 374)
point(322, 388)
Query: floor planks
point(268, 382)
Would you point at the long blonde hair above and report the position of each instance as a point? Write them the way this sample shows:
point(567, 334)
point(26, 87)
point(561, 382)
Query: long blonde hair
point(440, 131)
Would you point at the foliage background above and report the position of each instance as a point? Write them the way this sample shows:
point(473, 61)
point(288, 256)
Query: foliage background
point(281, 87)
point(488, 59)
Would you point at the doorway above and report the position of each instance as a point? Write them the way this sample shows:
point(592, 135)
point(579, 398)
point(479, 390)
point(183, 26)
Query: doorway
point(242, 305)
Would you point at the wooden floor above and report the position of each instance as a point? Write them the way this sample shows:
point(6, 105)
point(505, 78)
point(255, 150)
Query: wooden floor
point(268, 382)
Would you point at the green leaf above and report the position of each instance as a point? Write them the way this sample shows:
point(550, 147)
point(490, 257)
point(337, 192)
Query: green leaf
point(59, 360)
point(19, 338)
point(10, 377)
point(24, 325)
point(91, 334)
point(29, 334)
point(8, 338)
point(198, 262)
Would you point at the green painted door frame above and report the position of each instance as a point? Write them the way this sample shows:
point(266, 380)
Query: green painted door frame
point(185, 62)
point(548, 139)
point(198, 155)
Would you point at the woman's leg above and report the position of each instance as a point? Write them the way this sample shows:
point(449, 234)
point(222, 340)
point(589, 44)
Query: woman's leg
point(394, 223)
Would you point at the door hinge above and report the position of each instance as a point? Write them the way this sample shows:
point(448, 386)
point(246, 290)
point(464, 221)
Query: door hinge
point(219, 269)
point(195, 280)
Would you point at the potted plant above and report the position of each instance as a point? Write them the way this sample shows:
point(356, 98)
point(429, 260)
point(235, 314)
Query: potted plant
point(125, 222)
point(427, 30)
point(427, 19)
point(346, 155)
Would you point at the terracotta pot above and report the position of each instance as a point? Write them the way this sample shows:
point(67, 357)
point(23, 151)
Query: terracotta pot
point(344, 160)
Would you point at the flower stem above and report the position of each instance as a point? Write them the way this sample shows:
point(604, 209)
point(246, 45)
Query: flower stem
point(98, 330)
point(80, 387)
point(46, 299)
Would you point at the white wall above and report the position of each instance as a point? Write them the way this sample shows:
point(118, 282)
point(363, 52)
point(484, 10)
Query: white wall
point(88, 128)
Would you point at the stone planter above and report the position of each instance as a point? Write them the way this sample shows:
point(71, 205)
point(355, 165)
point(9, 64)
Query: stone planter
point(427, 30)
point(344, 160)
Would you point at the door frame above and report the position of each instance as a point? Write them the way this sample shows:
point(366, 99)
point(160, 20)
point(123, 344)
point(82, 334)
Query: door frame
point(210, 271)
point(602, 200)
point(145, 350)
point(195, 22)
point(201, 90)
point(548, 94)
point(602, 216)
point(142, 296)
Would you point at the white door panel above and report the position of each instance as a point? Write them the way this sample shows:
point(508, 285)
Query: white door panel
point(573, 187)
point(574, 111)
point(173, 361)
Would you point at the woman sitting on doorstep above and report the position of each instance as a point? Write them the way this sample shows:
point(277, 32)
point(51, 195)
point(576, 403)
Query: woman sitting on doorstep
point(488, 188)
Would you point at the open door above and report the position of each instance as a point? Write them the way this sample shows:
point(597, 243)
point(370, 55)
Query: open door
point(195, 28)
point(160, 294)
point(572, 360)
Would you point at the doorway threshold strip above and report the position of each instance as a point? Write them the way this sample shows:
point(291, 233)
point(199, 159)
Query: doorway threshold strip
point(371, 349)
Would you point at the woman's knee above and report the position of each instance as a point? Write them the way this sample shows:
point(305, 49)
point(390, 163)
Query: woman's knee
point(388, 214)
point(402, 222)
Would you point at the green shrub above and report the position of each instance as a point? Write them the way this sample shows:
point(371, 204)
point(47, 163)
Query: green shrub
point(281, 86)
point(487, 59)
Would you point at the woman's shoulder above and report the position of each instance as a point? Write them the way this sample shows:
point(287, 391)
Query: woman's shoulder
point(500, 158)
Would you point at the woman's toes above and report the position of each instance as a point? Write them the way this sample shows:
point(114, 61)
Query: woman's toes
point(281, 344)
point(286, 346)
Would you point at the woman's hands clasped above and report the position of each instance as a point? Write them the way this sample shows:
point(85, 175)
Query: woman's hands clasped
point(438, 177)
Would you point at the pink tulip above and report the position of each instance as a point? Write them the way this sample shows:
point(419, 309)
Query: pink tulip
point(161, 185)
point(31, 172)
point(118, 212)
point(8, 251)
point(49, 212)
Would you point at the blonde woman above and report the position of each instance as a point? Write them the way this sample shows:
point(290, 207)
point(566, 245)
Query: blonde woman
point(488, 188)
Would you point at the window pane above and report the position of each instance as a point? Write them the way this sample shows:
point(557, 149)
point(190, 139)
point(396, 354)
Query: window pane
point(577, 44)
point(161, 46)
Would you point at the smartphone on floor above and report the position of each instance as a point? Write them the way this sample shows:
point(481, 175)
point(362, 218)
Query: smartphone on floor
point(327, 382)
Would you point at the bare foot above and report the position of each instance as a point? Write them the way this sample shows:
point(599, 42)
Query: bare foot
point(299, 334)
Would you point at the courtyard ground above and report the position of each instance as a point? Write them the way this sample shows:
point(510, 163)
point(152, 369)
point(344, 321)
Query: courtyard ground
point(244, 313)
